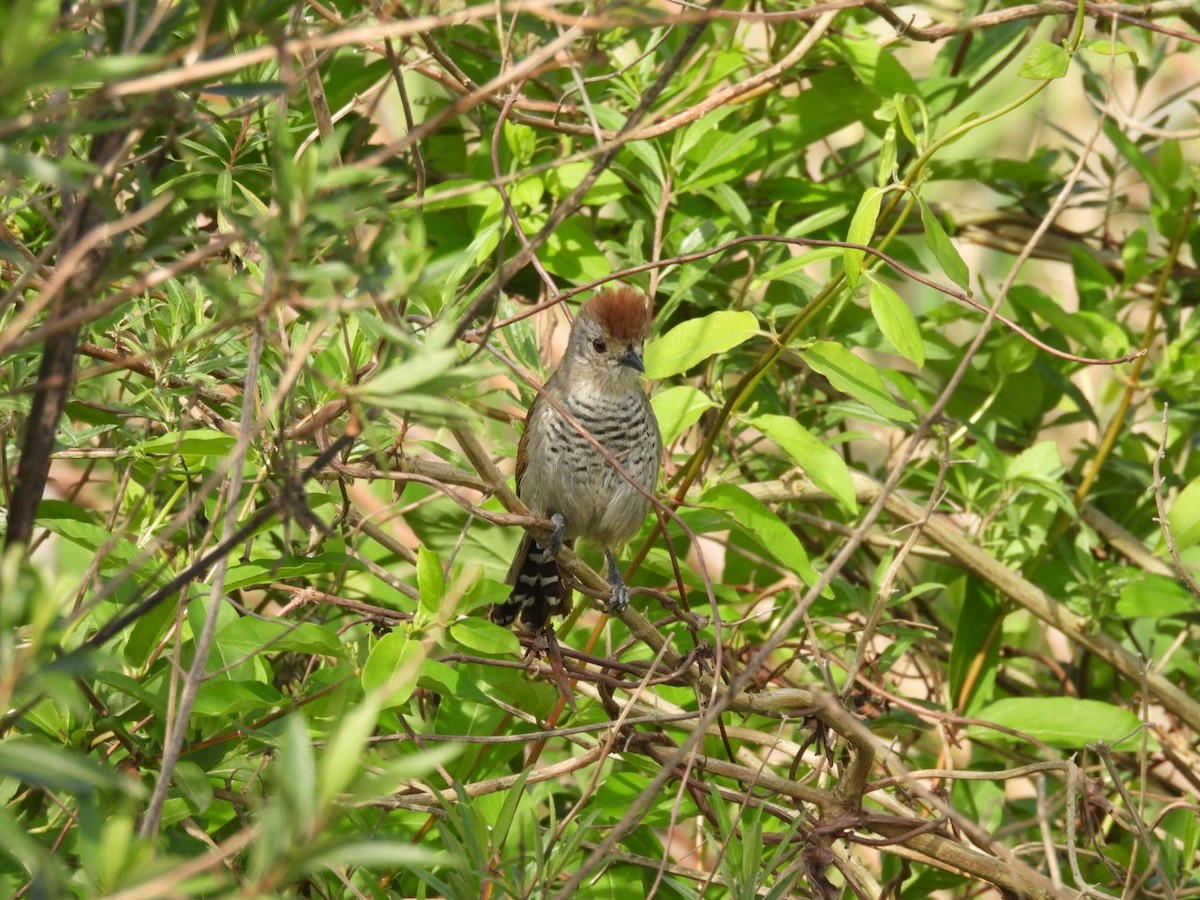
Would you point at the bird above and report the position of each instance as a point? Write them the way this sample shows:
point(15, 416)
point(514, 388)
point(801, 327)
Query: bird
point(563, 477)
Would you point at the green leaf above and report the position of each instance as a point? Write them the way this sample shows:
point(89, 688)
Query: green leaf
point(1064, 722)
point(877, 68)
point(394, 664)
point(378, 854)
point(521, 141)
point(820, 463)
point(902, 102)
point(193, 783)
point(862, 229)
point(562, 180)
point(440, 678)
point(690, 343)
point(897, 322)
point(1097, 334)
point(430, 581)
point(678, 408)
point(726, 149)
point(1106, 47)
point(482, 636)
point(194, 442)
point(852, 376)
point(1041, 461)
point(943, 250)
point(1150, 596)
point(77, 526)
point(1046, 61)
point(222, 697)
point(296, 765)
point(264, 571)
point(1013, 354)
point(572, 253)
point(888, 154)
point(795, 264)
point(57, 769)
point(1184, 516)
point(419, 369)
point(1142, 163)
point(975, 650)
point(342, 760)
point(527, 192)
point(246, 636)
point(762, 525)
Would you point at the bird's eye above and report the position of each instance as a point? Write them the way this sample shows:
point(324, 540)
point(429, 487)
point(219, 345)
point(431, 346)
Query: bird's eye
point(599, 346)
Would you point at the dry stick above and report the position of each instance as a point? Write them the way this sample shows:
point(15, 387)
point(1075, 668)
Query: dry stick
point(660, 221)
point(164, 885)
point(209, 69)
point(606, 747)
point(317, 99)
point(893, 569)
point(177, 728)
point(1124, 11)
point(656, 719)
point(952, 292)
point(460, 82)
point(551, 287)
point(522, 70)
point(1123, 541)
point(743, 90)
point(418, 159)
point(1013, 585)
point(430, 798)
point(1135, 814)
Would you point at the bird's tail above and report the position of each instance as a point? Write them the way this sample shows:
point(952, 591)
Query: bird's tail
point(538, 588)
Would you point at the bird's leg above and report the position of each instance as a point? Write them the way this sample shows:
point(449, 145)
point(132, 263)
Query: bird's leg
point(619, 601)
point(556, 537)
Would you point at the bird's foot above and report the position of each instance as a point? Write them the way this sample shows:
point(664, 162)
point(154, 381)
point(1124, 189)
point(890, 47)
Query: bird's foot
point(556, 536)
point(619, 601)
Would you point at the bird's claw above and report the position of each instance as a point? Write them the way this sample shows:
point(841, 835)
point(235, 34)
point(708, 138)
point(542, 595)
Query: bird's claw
point(618, 601)
point(556, 537)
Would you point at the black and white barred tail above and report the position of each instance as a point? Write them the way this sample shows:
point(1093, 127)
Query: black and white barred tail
point(538, 589)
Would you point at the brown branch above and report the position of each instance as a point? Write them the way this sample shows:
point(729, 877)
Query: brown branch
point(1131, 13)
point(84, 247)
point(949, 536)
point(953, 292)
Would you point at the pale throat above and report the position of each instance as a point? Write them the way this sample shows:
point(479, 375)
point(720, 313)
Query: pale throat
point(607, 383)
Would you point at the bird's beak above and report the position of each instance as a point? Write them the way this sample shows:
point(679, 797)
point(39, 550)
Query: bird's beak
point(633, 359)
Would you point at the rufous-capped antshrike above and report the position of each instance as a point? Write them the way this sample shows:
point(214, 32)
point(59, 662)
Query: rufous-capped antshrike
point(563, 476)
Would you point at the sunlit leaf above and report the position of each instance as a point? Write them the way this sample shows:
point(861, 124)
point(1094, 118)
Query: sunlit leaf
point(848, 373)
point(695, 340)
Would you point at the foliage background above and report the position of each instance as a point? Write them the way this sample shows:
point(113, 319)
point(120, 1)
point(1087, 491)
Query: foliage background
point(279, 280)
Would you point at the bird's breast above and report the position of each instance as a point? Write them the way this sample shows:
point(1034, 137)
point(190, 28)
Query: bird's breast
point(567, 472)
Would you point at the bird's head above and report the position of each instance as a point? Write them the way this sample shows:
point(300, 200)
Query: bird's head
point(608, 339)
